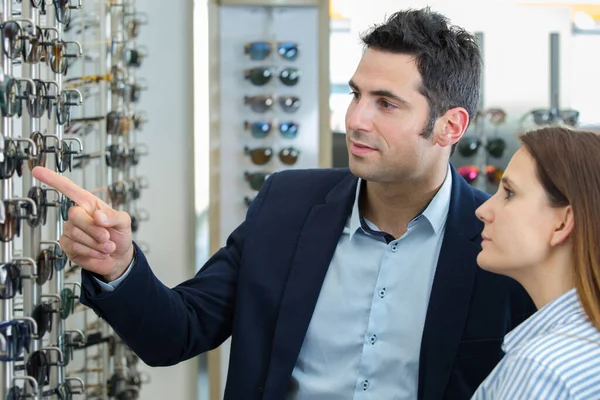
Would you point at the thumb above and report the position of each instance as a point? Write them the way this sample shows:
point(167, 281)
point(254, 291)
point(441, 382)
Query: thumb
point(110, 218)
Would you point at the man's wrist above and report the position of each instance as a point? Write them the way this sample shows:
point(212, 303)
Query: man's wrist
point(114, 276)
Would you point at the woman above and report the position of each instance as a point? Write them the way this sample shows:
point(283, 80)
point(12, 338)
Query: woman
point(542, 228)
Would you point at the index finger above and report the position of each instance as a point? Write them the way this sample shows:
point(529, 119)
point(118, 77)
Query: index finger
point(64, 185)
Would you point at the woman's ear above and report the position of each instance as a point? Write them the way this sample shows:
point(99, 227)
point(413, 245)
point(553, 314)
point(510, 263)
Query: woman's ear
point(564, 225)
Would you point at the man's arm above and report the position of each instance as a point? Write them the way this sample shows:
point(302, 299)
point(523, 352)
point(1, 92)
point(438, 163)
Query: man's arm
point(165, 326)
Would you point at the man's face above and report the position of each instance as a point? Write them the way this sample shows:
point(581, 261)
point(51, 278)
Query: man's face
point(386, 119)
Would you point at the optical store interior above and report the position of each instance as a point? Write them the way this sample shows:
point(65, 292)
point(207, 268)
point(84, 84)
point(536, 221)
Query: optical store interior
point(177, 113)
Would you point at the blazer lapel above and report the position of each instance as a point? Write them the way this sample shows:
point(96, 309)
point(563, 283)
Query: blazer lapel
point(451, 292)
point(316, 246)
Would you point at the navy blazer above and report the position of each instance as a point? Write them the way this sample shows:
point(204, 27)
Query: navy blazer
point(262, 287)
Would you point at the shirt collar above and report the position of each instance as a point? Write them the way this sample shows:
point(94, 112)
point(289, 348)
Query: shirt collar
point(436, 211)
point(559, 311)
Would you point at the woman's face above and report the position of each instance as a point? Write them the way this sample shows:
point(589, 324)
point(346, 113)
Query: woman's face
point(520, 225)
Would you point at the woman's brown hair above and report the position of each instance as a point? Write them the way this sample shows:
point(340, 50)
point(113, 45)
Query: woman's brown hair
point(568, 166)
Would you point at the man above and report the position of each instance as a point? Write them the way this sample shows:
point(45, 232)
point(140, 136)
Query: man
point(335, 287)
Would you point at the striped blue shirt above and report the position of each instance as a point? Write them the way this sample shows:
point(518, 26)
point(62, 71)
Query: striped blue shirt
point(553, 355)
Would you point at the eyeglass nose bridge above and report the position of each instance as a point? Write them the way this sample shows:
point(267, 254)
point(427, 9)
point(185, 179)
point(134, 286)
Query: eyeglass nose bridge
point(31, 381)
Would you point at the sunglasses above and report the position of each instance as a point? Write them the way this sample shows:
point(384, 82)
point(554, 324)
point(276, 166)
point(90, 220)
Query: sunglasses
point(65, 206)
point(470, 173)
point(134, 23)
point(68, 301)
point(13, 91)
point(11, 281)
point(69, 341)
point(14, 156)
point(46, 265)
point(469, 146)
point(262, 155)
point(123, 156)
point(40, 197)
point(118, 123)
point(263, 103)
point(551, 117)
point(256, 179)
point(137, 217)
point(260, 76)
point(17, 336)
point(39, 363)
point(496, 116)
point(14, 212)
point(62, 10)
point(134, 57)
point(259, 51)
point(260, 129)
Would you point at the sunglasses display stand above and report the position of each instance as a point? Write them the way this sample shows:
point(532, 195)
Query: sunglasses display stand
point(50, 345)
point(271, 88)
point(269, 106)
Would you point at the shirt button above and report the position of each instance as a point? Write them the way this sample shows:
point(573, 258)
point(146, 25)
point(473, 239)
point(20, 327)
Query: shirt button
point(365, 385)
point(382, 293)
point(373, 339)
point(394, 248)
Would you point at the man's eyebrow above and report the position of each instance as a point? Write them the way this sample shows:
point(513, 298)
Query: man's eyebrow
point(380, 92)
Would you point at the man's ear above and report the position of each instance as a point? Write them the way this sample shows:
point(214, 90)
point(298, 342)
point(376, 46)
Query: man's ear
point(565, 223)
point(451, 126)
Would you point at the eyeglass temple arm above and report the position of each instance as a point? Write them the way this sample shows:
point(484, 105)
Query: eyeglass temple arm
point(50, 28)
point(55, 297)
point(55, 202)
point(75, 285)
point(32, 382)
point(31, 144)
point(31, 262)
point(34, 333)
point(80, 381)
point(28, 200)
point(57, 350)
point(77, 92)
point(33, 90)
point(79, 49)
point(58, 141)
point(78, 332)
point(78, 141)
point(30, 21)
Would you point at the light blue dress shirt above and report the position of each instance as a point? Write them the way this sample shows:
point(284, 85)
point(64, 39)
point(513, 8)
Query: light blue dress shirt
point(110, 286)
point(364, 338)
point(553, 355)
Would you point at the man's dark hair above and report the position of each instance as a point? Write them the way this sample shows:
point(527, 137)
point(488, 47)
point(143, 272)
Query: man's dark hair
point(447, 57)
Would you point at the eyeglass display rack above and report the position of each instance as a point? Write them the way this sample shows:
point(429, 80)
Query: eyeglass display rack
point(69, 102)
point(481, 157)
point(269, 84)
